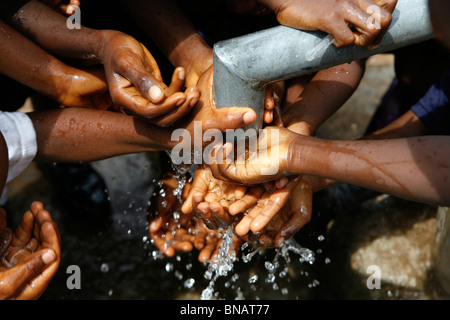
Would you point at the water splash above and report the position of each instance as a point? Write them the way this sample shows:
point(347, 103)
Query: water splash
point(221, 264)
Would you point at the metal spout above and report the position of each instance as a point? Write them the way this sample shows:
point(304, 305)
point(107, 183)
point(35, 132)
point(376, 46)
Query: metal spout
point(243, 66)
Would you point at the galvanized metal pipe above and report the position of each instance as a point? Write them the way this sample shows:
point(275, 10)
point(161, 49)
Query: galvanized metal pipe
point(243, 66)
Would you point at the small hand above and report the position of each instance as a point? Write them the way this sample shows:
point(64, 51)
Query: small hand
point(85, 88)
point(32, 255)
point(210, 198)
point(172, 231)
point(265, 159)
point(135, 82)
point(370, 19)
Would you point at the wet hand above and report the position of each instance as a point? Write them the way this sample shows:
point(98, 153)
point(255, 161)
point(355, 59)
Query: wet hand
point(32, 255)
point(210, 198)
point(85, 88)
point(135, 81)
point(370, 19)
point(172, 231)
point(265, 159)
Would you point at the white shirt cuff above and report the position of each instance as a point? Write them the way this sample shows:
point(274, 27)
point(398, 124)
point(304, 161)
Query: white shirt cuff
point(20, 137)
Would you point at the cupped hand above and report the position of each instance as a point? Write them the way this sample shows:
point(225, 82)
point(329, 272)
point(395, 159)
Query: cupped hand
point(266, 159)
point(135, 81)
point(172, 231)
point(32, 255)
point(211, 198)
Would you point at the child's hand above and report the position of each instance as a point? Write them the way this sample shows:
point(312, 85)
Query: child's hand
point(84, 88)
point(335, 17)
point(267, 160)
point(211, 198)
point(135, 81)
point(31, 256)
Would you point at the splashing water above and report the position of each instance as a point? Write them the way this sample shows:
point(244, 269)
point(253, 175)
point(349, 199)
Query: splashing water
point(222, 264)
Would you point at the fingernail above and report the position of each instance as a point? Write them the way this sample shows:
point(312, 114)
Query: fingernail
point(155, 93)
point(48, 257)
point(182, 74)
point(249, 117)
point(179, 103)
point(193, 102)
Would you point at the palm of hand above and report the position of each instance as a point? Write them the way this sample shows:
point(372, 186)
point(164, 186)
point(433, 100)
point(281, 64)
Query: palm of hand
point(211, 198)
point(32, 257)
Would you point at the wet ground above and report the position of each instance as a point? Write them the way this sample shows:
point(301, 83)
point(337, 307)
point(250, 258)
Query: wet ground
point(351, 229)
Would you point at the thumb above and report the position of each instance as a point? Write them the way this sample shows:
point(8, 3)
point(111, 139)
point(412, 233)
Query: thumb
point(234, 118)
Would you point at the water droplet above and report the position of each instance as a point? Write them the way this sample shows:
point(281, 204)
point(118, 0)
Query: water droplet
point(253, 279)
point(104, 268)
point(189, 283)
point(169, 267)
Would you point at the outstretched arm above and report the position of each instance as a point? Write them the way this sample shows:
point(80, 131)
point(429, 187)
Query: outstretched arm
point(133, 76)
point(75, 134)
point(415, 168)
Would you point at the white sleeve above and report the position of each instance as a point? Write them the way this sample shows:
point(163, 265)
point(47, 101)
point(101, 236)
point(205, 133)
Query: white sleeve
point(20, 137)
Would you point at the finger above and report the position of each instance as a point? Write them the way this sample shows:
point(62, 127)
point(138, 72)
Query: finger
point(173, 116)
point(243, 227)
point(206, 253)
point(233, 118)
point(376, 20)
point(247, 201)
point(196, 195)
point(183, 246)
point(218, 212)
point(240, 191)
point(183, 241)
point(389, 5)
point(205, 213)
point(134, 103)
point(178, 81)
point(342, 34)
point(133, 69)
point(197, 192)
point(269, 102)
point(50, 237)
point(386, 20)
point(270, 209)
point(19, 276)
point(24, 231)
point(200, 238)
point(277, 199)
point(268, 116)
point(162, 244)
point(302, 210)
point(281, 183)
point(156, 225)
